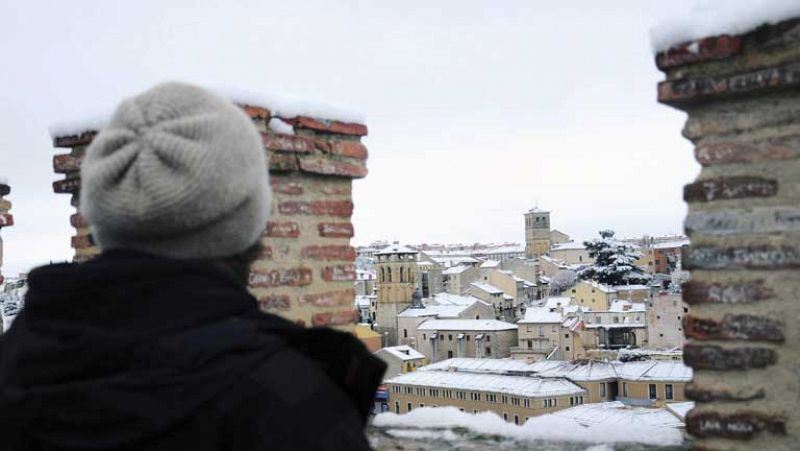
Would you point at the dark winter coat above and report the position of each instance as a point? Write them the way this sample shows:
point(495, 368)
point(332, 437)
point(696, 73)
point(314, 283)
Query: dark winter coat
point(134, 352)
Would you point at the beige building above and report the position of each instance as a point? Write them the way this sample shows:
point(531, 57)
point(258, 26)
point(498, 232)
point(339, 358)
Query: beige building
point(623, 325)
point(440, 339)
point(396, 269)
point(400, 360)
point(537, 233)
point(596, 296)
point(665, 321)
point(457, 279)
point(571, 253)
point(539, 333)
point(441, 306)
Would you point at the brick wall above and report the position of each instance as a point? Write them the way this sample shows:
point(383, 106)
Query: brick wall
point(306, 271)
point(743, 103)
point(6, 219)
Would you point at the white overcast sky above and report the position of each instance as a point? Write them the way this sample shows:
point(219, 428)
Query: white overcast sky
point(477, 110)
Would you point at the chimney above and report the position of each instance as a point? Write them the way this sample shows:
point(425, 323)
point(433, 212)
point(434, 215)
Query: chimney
point(307, 270)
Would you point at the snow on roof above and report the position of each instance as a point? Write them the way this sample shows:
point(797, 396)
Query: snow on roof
point(493, 366)
point(579, 370)
point(487, 287)
point(556, 302)
point(454, 260)
point(467, 324)
point(490, 264)
point(529, 387)
point(655, 370)
point(680, 409)
point(713, 18)
point(403, 352)
point(452, 299)
point(569, 245)
point(602, 287)
point(442, 305)
point(363, 301)
point(615, 414)
point(671, 244)
point(538, 315)
point(396, 249)
point(455, 269)
point(512, 249)
point(627, 306)
point(283, 105)
point(631, 287)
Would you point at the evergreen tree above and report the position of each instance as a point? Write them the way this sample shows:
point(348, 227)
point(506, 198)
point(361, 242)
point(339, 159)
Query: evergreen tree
point(614, 262)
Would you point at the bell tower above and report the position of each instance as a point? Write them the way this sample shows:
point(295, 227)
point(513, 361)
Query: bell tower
point(537, 232)
point(396, 268)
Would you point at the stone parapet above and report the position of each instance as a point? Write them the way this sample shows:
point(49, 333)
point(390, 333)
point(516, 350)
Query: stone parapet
point(306, 270)
point(742, 96)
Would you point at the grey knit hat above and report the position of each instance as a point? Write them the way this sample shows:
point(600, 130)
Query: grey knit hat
point(178, 172)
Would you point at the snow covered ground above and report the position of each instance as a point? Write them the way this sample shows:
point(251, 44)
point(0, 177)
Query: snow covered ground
point(576, 428)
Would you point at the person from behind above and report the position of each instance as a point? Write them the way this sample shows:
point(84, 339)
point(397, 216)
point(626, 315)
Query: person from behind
point(156, 344)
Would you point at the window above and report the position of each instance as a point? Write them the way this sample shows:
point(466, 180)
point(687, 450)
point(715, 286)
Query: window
point(449, 337)
point(567, 348)
point(488, 351)
point(652, 391)
point(505, 416)
point(441, 337)
point(449, 354)
point(541, 331)
point(409, 407)
point(424, 337)
point(603, 390)
point(554, 329)
point(668, 392)
point(488, 339)
point(405, 333)
point(625, 389)
point(516, 420)
point(530, 344)
point(566, 335)
point(421, 405)
point(467, 337)
point(397, 407)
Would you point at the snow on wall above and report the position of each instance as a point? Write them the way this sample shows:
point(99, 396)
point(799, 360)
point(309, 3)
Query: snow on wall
point(715, 17)
point(282, 105)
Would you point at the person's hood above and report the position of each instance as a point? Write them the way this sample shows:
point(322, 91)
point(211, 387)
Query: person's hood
point(123, 347)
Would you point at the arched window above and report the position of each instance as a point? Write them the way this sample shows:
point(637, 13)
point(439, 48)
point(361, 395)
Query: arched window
point(383, 276)
point(401, 275)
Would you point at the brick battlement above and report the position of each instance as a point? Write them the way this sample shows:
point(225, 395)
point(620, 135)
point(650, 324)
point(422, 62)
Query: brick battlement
point(306, 270)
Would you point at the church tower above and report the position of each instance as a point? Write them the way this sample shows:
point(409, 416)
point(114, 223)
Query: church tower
point(396, 268)
point(537, 232)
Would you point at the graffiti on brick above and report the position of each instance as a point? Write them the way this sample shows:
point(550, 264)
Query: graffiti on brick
point(736, 187)
point(712, 357)
point(733, 292)
point(734, 327)
point(740, 425)
point(734, 222)
point(280, 277)
point(746, 257)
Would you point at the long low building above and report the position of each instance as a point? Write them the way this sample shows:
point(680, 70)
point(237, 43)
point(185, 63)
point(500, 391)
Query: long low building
point(515, 398)
point(440, 339)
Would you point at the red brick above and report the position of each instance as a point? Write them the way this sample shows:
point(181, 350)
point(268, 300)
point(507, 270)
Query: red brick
point(256, 112)
point(331, 298)
point(78, 221)
point(329, 252)
point(734, 187)
point(707, 49)
point(287, 143)
point(337, 189)
point(274, 302)
point(335, 318)
point(326, 166)
point(342, 208)
point(339, 273)
point(353, 149)
point(335, 229)
point(282, 229)
point(291, 277)
point(740, 425)
point(82, 241)
point(735, 152)
point(734, 327)
point(285, 187)
point(67, 186)
point(74, 140)
point(703, 394)
point(344, 128)
point(6, 220)
point(281, 162)
point(64, 163)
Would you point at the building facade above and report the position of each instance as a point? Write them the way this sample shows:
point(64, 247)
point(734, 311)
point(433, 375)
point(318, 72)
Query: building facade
point(537, 233)
point(444, 339)
point(396, 270)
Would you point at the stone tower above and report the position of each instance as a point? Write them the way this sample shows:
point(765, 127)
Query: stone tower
point(537, 232)
point(396, 268)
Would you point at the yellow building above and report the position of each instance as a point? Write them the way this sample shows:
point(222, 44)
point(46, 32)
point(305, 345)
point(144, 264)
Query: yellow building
point(401, 360)
point(396, 270)
point(537, 233)
point(597, 296)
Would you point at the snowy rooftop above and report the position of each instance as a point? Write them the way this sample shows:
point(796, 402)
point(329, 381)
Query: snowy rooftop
point(671, 244)
point(442, 305)
point(512, 249)
point(571, 245)
point(283, 105)
point(455, 270)
point(363, 301)
point(490, 264)
point(658, 370)
point(617, 415)
point(467, 324)
point(451, 299)
point(713, 18)
point(538, 315)
point(396, 249)
point(403, 352)
point(627, 306)
point(556, 302)
point(494, 366)
point(583, 370)
point(454, 260)
point(680, 409)
point(529, 387)
point(487, 287)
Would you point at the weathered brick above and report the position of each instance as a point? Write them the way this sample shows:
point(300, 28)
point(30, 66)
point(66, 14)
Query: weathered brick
point(287, 143)
point(82, 241)
point(74, 140)
point(266, 252)
point(703, 394)
point(736, 187)
point(67, 186)
point(738, 152)
point(741, 425)
point(747, 257)
point(339, 273)
point(6, 220)
point(741, 292)
point(319, 164)
point(335, 229)
point(713, 357)
point(256, 112)
point(285, 186)
point(317, 208)
point(78, 221)
point(331, 298)
point(64, 163)
point(282, 162)
point(707, 49)
point(335, 318)
point(291, 277)
point(685, 91)
point(329, 252)
point(277, 229)
point(337, 189)
point(734, 327)
point(352, 149)
point(269, 302)
point(755, 220)
point(344, 128)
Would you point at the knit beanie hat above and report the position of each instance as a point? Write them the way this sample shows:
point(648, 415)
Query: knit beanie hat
point(178, 172)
